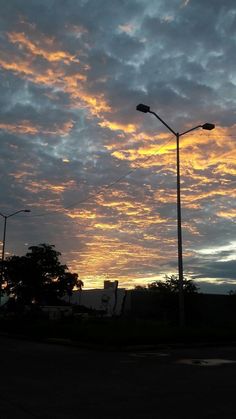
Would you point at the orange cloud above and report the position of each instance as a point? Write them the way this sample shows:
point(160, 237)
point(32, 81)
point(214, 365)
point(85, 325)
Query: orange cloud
point(36, 187)
point(198, 151)
point(36, 49)
point(23, 128)
point(96, 104)
point(26, 127)
point(81, 214)
point(104, 254)
point(25, 68)
point(55, 75)
point(227, 213)
point(115, 126)
point(105, 226)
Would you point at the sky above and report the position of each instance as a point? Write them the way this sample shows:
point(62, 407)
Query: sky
point(99, 177)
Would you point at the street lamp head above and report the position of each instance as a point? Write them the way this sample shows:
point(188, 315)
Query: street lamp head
point(208, 126)
point(27, 210)
point(143, 108)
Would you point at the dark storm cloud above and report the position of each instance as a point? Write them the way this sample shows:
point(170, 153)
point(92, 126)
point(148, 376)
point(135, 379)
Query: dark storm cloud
point(221, 270)
point(188, 45)
point(44, 117)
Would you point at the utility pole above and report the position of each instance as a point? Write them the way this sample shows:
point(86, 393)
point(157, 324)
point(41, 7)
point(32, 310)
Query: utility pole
point(3, 246)
point(207, 126)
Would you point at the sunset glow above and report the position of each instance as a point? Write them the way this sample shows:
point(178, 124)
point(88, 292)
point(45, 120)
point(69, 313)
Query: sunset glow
point(100, 177)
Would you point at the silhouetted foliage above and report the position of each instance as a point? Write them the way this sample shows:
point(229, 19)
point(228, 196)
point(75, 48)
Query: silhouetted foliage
point(39, 276)
point(140, 288)
point(171, 285)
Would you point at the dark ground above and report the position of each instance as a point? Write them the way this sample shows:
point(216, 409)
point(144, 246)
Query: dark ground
point(60, 382)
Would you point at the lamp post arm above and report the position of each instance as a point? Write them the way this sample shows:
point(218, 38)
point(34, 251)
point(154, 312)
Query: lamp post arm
point(14, 213)
point(11, 215)
point(163, 122)
point(189, 130)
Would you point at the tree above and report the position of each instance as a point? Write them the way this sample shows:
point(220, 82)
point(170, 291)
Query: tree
point(39, 276)
point(68, 282)
point(140, 288)
point(171, 285)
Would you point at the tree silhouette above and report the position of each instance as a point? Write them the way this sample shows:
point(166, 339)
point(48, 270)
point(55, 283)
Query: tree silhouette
point(171, 285)
point(39, 276)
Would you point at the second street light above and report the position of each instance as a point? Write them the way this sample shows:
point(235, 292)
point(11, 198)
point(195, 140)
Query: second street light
point(3, 244)
point(207, 126)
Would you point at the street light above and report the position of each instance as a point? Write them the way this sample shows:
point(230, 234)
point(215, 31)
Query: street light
point(3, 244)
point(207, 126)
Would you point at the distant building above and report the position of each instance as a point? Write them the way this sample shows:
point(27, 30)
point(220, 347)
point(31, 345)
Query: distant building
point(109, 299)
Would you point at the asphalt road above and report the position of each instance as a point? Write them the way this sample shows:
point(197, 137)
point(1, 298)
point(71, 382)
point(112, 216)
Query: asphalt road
point(59, 382)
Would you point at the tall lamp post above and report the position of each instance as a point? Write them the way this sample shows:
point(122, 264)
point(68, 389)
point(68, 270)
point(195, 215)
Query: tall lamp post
point(3, 244)
point(207, 126)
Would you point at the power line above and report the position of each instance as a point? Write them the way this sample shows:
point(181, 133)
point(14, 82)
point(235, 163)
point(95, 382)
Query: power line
point(116, 181)
point(103, 187)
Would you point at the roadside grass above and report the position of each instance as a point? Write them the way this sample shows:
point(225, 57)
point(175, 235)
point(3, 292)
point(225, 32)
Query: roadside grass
point(116, 331)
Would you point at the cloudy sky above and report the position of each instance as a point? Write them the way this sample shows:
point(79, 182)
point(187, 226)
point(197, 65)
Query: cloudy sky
point(100, 177)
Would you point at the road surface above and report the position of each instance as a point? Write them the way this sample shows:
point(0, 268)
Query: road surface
point(51, 381)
